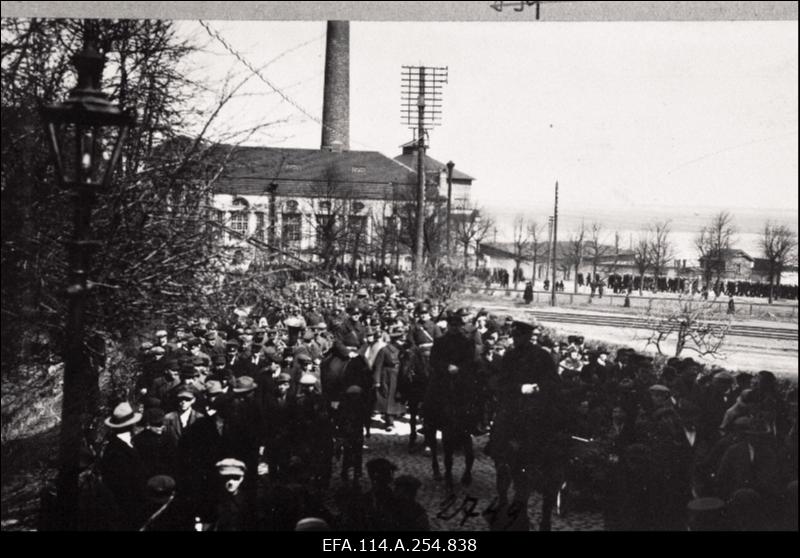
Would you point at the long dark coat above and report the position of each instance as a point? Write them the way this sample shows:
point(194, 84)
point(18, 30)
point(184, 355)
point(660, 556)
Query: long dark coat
point(385, 370)
point(451, 400)
point(124, 475)
point(532, 421)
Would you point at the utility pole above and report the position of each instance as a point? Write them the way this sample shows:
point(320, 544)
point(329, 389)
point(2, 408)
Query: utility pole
point(421, 109)
point(419, 244)
point(555, 242)
point(450, 165)
point(549, 244)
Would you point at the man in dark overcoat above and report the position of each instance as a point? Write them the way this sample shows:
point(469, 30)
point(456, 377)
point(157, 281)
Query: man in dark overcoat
point(526, 435)
point(122, 467)
point(451, 403)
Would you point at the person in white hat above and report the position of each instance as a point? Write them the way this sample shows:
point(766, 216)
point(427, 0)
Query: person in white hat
point(234, 510)
point(122, 467)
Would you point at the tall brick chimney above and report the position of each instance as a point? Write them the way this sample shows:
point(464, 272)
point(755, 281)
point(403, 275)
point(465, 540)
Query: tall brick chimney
point(336, 99)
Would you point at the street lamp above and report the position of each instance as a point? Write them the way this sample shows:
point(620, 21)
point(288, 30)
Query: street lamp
point(450, 165)
point(86, 133)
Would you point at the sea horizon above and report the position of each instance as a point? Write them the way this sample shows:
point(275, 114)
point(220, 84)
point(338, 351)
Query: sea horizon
point(685, 223)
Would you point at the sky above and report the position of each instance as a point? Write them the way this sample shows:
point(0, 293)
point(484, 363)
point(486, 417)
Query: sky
point(632, 117)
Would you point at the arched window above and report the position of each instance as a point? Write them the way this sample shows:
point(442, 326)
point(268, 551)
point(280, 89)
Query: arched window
point(239, 221)
point(357, 207)
point(291, 206)
point(240, 215)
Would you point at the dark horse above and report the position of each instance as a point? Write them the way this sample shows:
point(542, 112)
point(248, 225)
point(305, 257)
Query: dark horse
point(412, 385)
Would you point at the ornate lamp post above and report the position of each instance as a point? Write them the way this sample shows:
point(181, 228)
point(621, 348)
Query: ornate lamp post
point(86, 134)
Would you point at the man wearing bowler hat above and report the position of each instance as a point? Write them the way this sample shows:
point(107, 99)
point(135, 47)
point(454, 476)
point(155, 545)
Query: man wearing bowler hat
point(122, 467)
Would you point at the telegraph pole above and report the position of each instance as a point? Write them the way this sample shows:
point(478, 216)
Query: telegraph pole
point(549, 244)
point(419, 244)
point(421, 109)
point(450, 166)
point(555, 242)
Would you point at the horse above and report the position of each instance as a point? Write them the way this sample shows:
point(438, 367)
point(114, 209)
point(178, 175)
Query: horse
point(412, 386)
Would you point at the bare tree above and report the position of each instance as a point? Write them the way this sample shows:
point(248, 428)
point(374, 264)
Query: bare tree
point(328, 221)
point(481, 235)
point(596, 250)
point(714, 243)
point(521, 245)
point(471, 226)
point(535, 232)
point(574, 254)
point(661, 249)
point(693, 325)
point(384, 231)
point(617, 238)
point(779, 244)
point(434, 223)
point(641, 257)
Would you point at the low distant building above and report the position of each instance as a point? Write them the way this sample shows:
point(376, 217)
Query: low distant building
point(732, 264)
point(502, 255)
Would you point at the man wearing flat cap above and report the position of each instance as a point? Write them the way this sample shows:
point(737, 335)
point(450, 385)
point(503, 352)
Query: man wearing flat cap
point(424, 331)
point(176, 422)
point(162, 511)
point(350, 335)
point(235, 510)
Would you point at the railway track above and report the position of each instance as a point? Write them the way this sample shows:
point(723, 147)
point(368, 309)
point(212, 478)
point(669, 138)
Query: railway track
point(635, 322)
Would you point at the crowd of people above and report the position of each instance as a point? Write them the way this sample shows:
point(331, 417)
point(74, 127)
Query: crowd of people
point(242, 422)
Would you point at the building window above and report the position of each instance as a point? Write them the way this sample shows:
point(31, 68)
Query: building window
point(292, 167)
point(324, 207)
point(326, 229)
point(291, 206)
point(239, 221)
point(357, 207)
point(292, 228)
point(358, 170)
point(358, 223)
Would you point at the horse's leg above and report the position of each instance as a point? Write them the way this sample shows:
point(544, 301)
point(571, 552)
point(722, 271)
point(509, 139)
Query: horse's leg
point(469, 459)
point(430, 441)
point(502, 481)
point(449, 448)
point(413, 408)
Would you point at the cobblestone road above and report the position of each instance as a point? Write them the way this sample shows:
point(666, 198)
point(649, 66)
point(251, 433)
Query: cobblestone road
point(449, 514)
